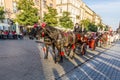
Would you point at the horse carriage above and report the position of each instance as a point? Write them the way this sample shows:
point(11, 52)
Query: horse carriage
point(67, 43)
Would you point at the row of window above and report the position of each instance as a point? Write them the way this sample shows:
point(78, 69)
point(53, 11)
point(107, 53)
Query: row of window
point(1, 2)
point(44, 2)
point(14, 4)
point(71, 9)
point(76, 3)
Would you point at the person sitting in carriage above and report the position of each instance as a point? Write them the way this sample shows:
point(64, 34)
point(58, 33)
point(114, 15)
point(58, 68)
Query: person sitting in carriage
point(85, 39)
point(76, 28)
point(77, 31)
point(5, 36)
point(92, 43)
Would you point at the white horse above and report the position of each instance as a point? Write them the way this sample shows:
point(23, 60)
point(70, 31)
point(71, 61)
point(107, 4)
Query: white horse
point(116, 37)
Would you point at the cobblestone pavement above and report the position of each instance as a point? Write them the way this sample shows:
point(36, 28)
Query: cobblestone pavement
point(106, 66)
point(54, 71)
point(24, 60)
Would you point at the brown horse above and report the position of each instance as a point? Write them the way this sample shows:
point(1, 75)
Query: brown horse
point(63, 41)
point(53, 37)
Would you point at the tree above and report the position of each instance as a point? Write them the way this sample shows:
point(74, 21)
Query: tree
point(85, 23)
point(2, 12)
point(65, 20)
point(28, 13)
point(50, 17)
point(89, 26)
point(106, 28)
point(101, 26)
point(92, 27)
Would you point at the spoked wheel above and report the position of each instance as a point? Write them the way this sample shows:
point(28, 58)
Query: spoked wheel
point(58, 58)
point(78, 49)
point(83, 49)
point(66, 51)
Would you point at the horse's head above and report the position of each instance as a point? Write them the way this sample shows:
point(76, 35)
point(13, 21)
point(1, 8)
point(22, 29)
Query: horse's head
point(41, 30)
point(47, 31)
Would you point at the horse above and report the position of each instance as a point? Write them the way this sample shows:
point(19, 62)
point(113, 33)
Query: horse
point(63, 41)
point(33, 33)
point(52, 37)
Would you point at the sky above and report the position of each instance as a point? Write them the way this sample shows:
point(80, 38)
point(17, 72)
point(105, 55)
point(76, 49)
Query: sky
point(108, 10)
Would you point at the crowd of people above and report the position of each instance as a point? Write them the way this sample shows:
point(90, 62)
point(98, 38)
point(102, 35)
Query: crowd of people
point(10, 35)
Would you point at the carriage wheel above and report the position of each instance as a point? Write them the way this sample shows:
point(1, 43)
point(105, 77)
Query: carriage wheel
point(83, 49)
point(57, 58)
point(94, 47)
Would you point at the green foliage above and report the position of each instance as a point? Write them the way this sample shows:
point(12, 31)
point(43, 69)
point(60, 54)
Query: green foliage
point(50, 18)
point(28, 14)
point(89, 26)
point(106, 28)
point(100, 26)
point(92, 27)
point(2, 12)
point(85, 23)
point(65, 20)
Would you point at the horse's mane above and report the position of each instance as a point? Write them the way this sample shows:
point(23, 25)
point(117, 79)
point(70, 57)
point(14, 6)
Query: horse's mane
point(52, 32)
point(51, 28)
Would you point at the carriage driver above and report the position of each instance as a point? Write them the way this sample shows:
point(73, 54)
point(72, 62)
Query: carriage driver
point(76, 27)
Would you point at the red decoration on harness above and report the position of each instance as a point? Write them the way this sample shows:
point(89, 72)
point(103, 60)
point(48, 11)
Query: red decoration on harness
point(73, 46)
point(78, 36)
point(43, 34)
point(92, 43)
point(35, 25)
point(62, 53)
point(43, 25)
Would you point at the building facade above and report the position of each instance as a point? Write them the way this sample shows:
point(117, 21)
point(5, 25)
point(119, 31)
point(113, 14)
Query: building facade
point(87, 13)
point(71, 6)
point(77, 8)
point(10, 7)
point(78, 11)
point(42, 6)
point(97, 20)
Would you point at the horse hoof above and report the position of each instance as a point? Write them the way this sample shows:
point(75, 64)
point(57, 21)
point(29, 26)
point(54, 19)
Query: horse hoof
point(45, 57)
point(61, 61)
point(72, 57)
point(55, 62)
